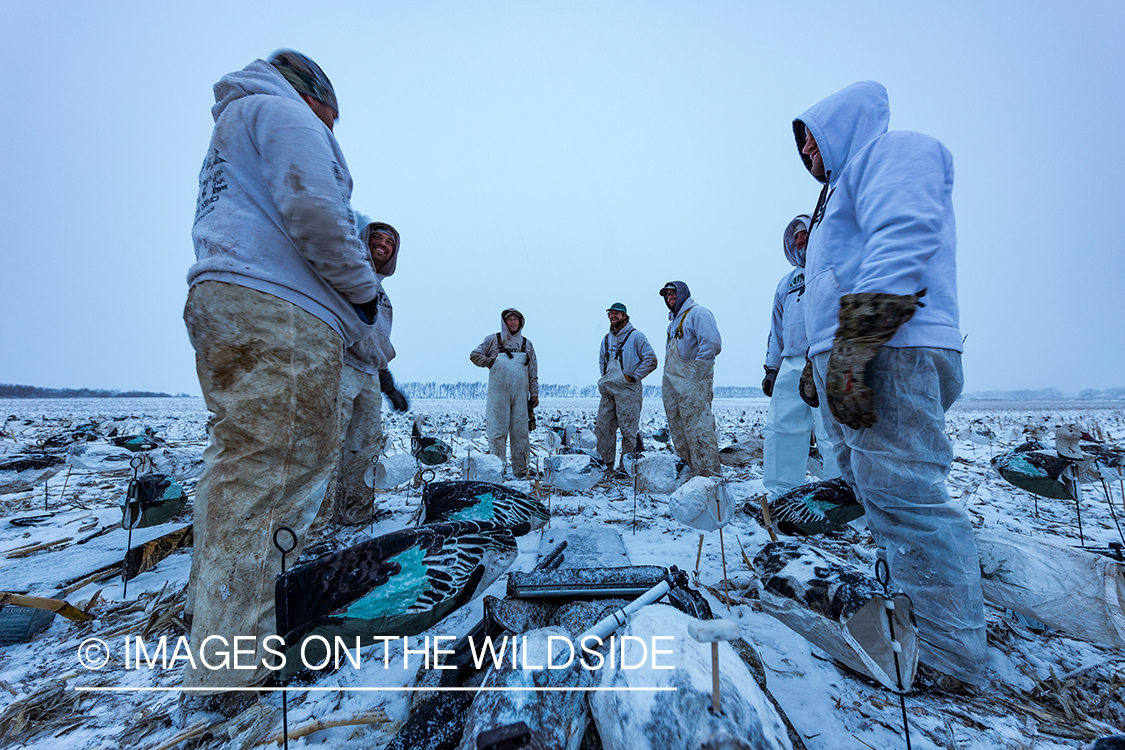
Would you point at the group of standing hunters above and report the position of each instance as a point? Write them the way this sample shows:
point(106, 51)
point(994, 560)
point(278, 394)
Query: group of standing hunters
point(291, 327)
point(625, 358)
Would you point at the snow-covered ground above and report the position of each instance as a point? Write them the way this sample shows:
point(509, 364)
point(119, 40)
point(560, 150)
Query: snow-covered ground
point(1045, 690)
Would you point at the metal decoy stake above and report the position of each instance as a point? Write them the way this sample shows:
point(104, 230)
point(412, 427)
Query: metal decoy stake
point(883, 577)
point(131, 499)
point(284, 693)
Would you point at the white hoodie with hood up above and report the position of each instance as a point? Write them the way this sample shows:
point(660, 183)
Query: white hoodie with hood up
point(274, 210)
point(787, 324)
point(374, 352)
point(887, 222)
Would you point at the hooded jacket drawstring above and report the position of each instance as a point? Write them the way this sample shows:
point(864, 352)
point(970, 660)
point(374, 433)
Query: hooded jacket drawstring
point(822, 201)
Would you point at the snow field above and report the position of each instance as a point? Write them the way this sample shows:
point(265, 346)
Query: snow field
point(1029, 700)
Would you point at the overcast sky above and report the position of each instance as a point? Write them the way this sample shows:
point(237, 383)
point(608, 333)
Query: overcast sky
point(558, 157)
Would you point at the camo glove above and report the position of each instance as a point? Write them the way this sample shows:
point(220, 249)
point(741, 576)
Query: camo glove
point(867, 321)
point(768, 381)
point(807, 386)
point(394, 395)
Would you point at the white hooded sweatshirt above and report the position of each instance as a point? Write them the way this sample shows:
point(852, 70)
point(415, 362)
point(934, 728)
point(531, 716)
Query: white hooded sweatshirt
point(885, 219)
point(274, 210)
point(374, 352)
point(693, 328)
point(787, 325)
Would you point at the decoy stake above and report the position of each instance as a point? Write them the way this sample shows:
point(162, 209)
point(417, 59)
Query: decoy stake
point(131, 500)
point(713, 631)
point(883, 577)
point(284, 693)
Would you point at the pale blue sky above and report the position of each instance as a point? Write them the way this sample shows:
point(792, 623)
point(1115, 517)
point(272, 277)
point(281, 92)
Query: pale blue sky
point(558, 157)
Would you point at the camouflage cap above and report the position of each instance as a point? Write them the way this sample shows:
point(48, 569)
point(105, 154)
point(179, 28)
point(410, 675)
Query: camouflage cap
point(305, 76)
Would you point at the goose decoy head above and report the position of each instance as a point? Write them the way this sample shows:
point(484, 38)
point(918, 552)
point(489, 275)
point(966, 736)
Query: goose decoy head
point(1067, 437)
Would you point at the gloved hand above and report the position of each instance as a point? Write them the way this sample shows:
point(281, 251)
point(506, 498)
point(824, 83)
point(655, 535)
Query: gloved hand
point(768, 381)
point(867, 321)
point(398, 400)
point(368, 311)
point(531, 414)
point(394, 395)
point(807, 386)
point(533, 402)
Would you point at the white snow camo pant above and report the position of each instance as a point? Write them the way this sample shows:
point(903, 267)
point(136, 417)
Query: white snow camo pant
point(620, 407)
point(898, 468)
point(789, 421)
point(687, 389)
point(506, 409)
point(270, 374)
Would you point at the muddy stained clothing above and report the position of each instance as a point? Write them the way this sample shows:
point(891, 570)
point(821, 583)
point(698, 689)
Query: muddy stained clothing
point(688, 384)
point(513, 378)
point(278, 272)
point(348, 499)
point(274, 205)
point(898, 469)
point(632, 351)
point(624, 359)
point(270, 374)
point(789, 422)
point(619, 408)
point(506, 409)
point(687, 389)
point(361, 409)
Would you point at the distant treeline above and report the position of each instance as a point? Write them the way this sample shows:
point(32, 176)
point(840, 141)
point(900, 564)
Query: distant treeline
point(413, 390)
point(550, 390)
point(554, 390)
point(1047, 394)
point(30, 391)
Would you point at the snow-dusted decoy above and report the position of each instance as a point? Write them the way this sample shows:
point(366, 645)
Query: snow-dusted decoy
point(398, 584)
point(428, 450)
point(483, 501)
point(22, 472)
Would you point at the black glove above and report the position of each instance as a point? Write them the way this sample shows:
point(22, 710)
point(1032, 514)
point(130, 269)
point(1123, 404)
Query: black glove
point(768, 381)
point(368, 311)
point(394, 395)
point(532, 402)
point(531, 415)
point(807, 386)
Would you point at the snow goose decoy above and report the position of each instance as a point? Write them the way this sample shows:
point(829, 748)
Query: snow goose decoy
point(1045, 474)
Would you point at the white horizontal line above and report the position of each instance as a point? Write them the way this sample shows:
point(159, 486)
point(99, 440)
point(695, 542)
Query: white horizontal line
point(372, 689)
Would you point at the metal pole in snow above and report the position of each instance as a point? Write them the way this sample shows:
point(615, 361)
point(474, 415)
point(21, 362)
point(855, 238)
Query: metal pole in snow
point(130, 497)
point(883, 577)
point(284, 693)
